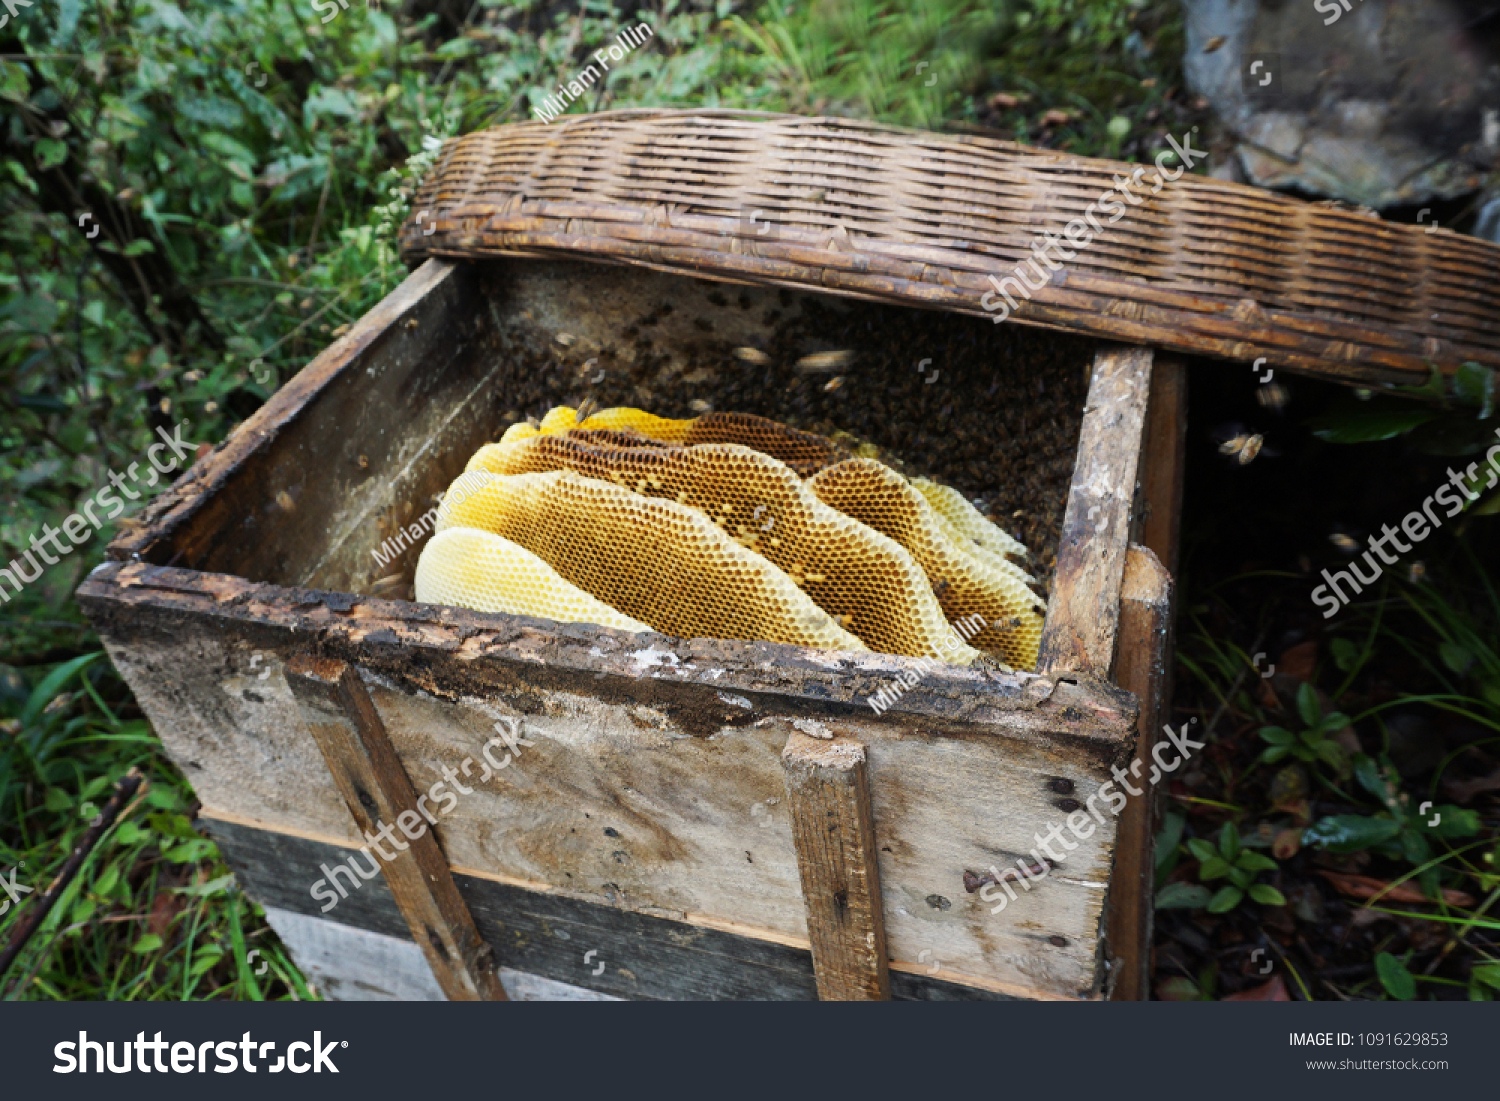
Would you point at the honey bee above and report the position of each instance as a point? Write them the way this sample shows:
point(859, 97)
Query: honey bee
point(1243, 447)
point(565, 339)
point(1416, 572)
point(1272, 395)
point(752, 355)
point(824, 361)
point(834, 384)
point(585, 407)
point(1343, 542)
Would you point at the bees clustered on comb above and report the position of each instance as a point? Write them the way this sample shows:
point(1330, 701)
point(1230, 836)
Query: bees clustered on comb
point(726, 525)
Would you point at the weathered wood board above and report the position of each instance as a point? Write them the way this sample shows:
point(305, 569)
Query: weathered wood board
point(655, 781)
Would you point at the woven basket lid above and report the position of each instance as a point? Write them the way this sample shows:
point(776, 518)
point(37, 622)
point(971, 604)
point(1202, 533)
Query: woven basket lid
point(937, 220)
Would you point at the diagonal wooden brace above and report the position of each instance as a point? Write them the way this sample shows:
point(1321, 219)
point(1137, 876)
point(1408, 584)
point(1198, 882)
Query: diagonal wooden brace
point(343, 721)
point(828, 792)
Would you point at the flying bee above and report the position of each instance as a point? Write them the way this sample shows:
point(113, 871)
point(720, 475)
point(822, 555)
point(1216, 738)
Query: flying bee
point(824, 361)
point(1345, 543)
point(833, 384)
point(1272, 395)
point(752, 355)
point(1243, 447)
point(1415, 573)
point(585, 408)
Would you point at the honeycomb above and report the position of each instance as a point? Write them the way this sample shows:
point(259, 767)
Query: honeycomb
point(469, 568)
point(965, 584)
point(657, 561)
point(868, 582)
point(804, 452)
point(949, 503)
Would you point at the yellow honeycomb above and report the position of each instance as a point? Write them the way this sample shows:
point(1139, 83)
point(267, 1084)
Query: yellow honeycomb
point(469, 568)
point(950, 504)
point(964, 584)
point(657, 561)
point(871, 584)
point(804, 452)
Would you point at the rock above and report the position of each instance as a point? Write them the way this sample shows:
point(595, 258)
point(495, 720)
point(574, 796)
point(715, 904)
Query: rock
point(1381, 105)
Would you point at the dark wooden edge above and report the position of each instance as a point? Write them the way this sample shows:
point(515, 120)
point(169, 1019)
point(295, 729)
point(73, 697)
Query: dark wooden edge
point(1145, 642)
point(1163, 458)
point(473, 654)
point(1083, 613)
point(645, 957)
point(380, 796)
point(208, 475)
point(833, 829)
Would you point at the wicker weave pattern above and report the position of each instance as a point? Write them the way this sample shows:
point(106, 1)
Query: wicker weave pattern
point(924, 219)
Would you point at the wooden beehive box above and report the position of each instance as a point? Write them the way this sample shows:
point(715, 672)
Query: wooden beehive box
point(682, 818)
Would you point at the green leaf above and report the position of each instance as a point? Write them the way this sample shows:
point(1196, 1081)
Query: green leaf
point(50, 153)
point(1239, 877)
point(1256, 862)
point(1455, 822)
point(1229, 841)
point(1213, 868)
point(107, 881)
point(128, 833)
point(1331, 753)
point(1227, 899)
point(1169, 837)
point(1277, 735)
point(1183, 896)
point(1365, 425)
point(1347, 833)
point(1475, 385)
point(148, 943)
point(1274, 753)
point(47, 690)
point(1307, 704)
point(1368, 773)
point(1267, 895)
point(1487, 973)
point(1345, 653)
point(1435, 386)
point(1394, 976)
point(1201, 849)
point(138, 247)
point(1455, 656)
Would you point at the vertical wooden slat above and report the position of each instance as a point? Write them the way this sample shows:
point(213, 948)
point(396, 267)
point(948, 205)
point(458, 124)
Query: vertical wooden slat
point(828, 791)
point(343, 721)
point(1084, 611)
point(1162, 461)
point(1140, 667)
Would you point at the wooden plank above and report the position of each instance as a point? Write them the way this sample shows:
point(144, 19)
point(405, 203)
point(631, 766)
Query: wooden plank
point(828, 789)
point(645, 957)
point(337, 710)
point(1084, 610)
point(1140, 667)
point(1159, 515)
point(654, 781)
point(347, 964)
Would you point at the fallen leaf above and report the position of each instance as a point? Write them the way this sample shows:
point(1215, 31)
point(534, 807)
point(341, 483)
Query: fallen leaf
point(1214, 43)
point(1286, 844)
point(1273, 991)
point(1298, 661)
point(1363, 886)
